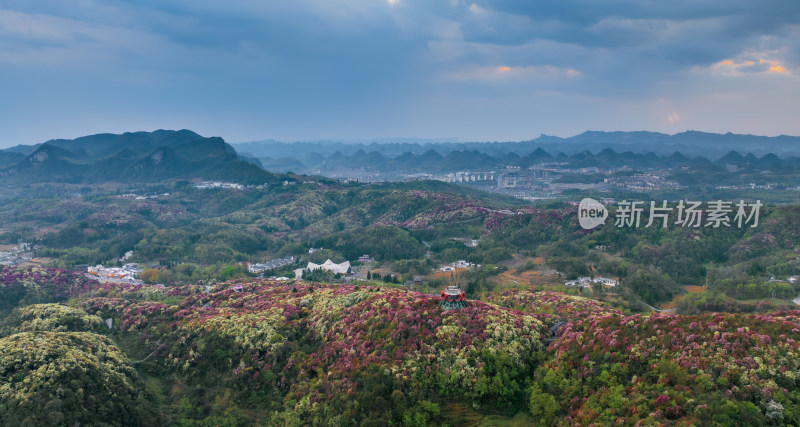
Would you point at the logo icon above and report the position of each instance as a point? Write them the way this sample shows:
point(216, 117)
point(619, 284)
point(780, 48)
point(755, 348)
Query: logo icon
point(591, 213)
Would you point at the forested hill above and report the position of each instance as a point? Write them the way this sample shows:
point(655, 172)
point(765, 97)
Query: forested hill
point(130, 157)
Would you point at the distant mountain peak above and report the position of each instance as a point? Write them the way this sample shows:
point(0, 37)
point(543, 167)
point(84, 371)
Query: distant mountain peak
point(135, 156)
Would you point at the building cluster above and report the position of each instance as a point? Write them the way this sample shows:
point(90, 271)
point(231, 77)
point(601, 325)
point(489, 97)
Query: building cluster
point(642, 182)
point(460, 264)
point(204, 185)
point(465, 176)
point(750, 186)
point(588, 282)
point(141, 197)
point(270, 265)
point(128, 273)
point(16, 255)
point(365, 259)
point(526, 179)
point(328, 265)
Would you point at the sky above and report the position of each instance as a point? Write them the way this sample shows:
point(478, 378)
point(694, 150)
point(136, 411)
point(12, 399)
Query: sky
point(359, 69)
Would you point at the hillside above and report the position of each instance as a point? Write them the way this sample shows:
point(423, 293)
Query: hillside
point(130, 157)
point(271, 353)
point(302, 353)
point(408, 229)
point(711, 369)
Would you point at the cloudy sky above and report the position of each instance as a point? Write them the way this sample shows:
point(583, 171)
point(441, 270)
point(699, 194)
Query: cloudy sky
point(358, 69)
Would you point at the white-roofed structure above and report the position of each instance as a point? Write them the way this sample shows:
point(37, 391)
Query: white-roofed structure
point(328, 265)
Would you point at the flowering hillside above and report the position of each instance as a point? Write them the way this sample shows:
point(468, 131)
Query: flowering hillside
point(54, 367)
point(317, 348)
point(678, 370)
point(29, 285)
point(550, 306)
point(481, 354)
point(50, 317)
point(269, 353)
point(68, 378)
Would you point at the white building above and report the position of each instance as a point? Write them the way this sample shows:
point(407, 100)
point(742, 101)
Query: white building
point(328, 265)
point(204, 185)
point(586, 282)
point(460, 264)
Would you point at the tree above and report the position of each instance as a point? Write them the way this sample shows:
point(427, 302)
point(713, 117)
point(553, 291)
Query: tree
point(149, 275)
point(543, 406)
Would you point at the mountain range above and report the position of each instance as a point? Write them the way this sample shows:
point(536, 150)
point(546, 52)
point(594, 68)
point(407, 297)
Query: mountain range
point(130, 157)
point(690, 143)
point(167, 154)
point(432, 161)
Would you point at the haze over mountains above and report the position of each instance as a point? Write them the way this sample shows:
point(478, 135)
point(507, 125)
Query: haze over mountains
point(690, 143)
point(432, 161)
point(590, 149)
point(166, 154)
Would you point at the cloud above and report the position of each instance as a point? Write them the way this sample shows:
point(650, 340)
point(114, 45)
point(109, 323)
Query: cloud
point(749, 64)
point(674, 35)
point(279, 65)
point(512, 74)
point(636, 36)
point(673, 118)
